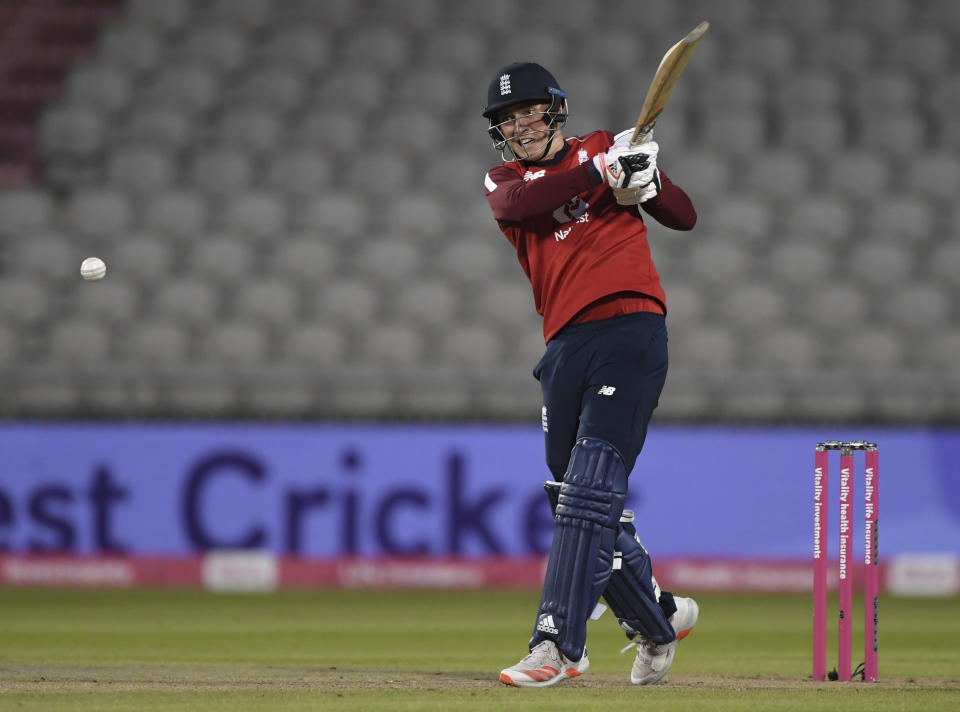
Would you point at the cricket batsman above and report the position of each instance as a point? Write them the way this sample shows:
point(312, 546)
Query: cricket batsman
point(559, 202)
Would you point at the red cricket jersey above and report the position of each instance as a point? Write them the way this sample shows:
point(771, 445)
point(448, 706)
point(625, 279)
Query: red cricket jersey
point(575, 243)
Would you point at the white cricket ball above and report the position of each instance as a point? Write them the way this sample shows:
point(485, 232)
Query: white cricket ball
point(92, 269)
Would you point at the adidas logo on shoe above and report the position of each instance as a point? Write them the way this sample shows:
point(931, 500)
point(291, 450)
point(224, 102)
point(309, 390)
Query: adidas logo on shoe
point(546, 624)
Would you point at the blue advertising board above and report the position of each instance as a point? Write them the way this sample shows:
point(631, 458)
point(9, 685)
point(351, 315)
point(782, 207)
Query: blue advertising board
point(325, 490)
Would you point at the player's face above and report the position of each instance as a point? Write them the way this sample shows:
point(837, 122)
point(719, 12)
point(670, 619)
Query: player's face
point(527, 132)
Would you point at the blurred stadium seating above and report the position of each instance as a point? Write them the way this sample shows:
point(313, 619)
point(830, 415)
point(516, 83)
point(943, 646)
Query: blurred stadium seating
point(288, 198)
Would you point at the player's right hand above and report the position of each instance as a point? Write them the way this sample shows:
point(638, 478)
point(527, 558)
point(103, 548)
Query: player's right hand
point(628, 166)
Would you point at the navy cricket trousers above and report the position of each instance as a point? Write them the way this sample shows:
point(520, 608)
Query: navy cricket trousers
point(602, 379)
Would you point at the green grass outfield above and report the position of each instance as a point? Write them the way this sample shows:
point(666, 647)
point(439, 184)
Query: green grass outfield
point(410, 650)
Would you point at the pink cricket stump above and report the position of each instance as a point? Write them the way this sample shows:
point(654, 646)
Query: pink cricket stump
point(871, 619)
point(845, 586)
point(820, 499)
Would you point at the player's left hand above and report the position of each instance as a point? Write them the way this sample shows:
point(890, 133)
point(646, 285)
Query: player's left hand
point(641, 194)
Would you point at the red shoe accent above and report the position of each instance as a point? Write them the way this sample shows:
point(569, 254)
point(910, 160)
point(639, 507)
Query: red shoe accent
point(505, 679)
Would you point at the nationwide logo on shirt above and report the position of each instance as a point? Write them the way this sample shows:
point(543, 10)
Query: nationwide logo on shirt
point(533, 175)
point(574, 209)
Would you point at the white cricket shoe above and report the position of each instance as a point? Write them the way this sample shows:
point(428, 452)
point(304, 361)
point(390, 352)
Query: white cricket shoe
point(654, 660)
point(544, 666)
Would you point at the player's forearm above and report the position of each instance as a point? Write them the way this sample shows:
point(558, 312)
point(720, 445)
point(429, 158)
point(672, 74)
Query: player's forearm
point(672, 207)
point(517, 199)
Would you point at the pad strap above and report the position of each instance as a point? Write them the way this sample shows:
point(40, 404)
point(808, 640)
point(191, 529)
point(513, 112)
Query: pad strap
point(633, 594)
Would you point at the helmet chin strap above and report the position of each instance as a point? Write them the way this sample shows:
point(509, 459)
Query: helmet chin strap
point(546, 146)
point(526, 158)
point(543, 153)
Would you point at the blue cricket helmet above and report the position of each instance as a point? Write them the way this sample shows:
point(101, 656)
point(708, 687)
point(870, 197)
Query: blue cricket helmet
point(521, 82)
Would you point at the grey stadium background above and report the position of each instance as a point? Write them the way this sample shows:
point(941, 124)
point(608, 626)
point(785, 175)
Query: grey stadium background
point(288, 196)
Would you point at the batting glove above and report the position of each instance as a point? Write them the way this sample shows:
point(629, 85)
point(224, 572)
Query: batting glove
point(641, 194)
point(628, 166)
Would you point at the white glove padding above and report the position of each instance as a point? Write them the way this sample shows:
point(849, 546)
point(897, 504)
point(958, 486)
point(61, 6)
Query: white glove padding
point(641, 194)
point(628, 166)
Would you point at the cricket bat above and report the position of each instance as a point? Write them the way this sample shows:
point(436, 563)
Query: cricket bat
point(665, 79)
